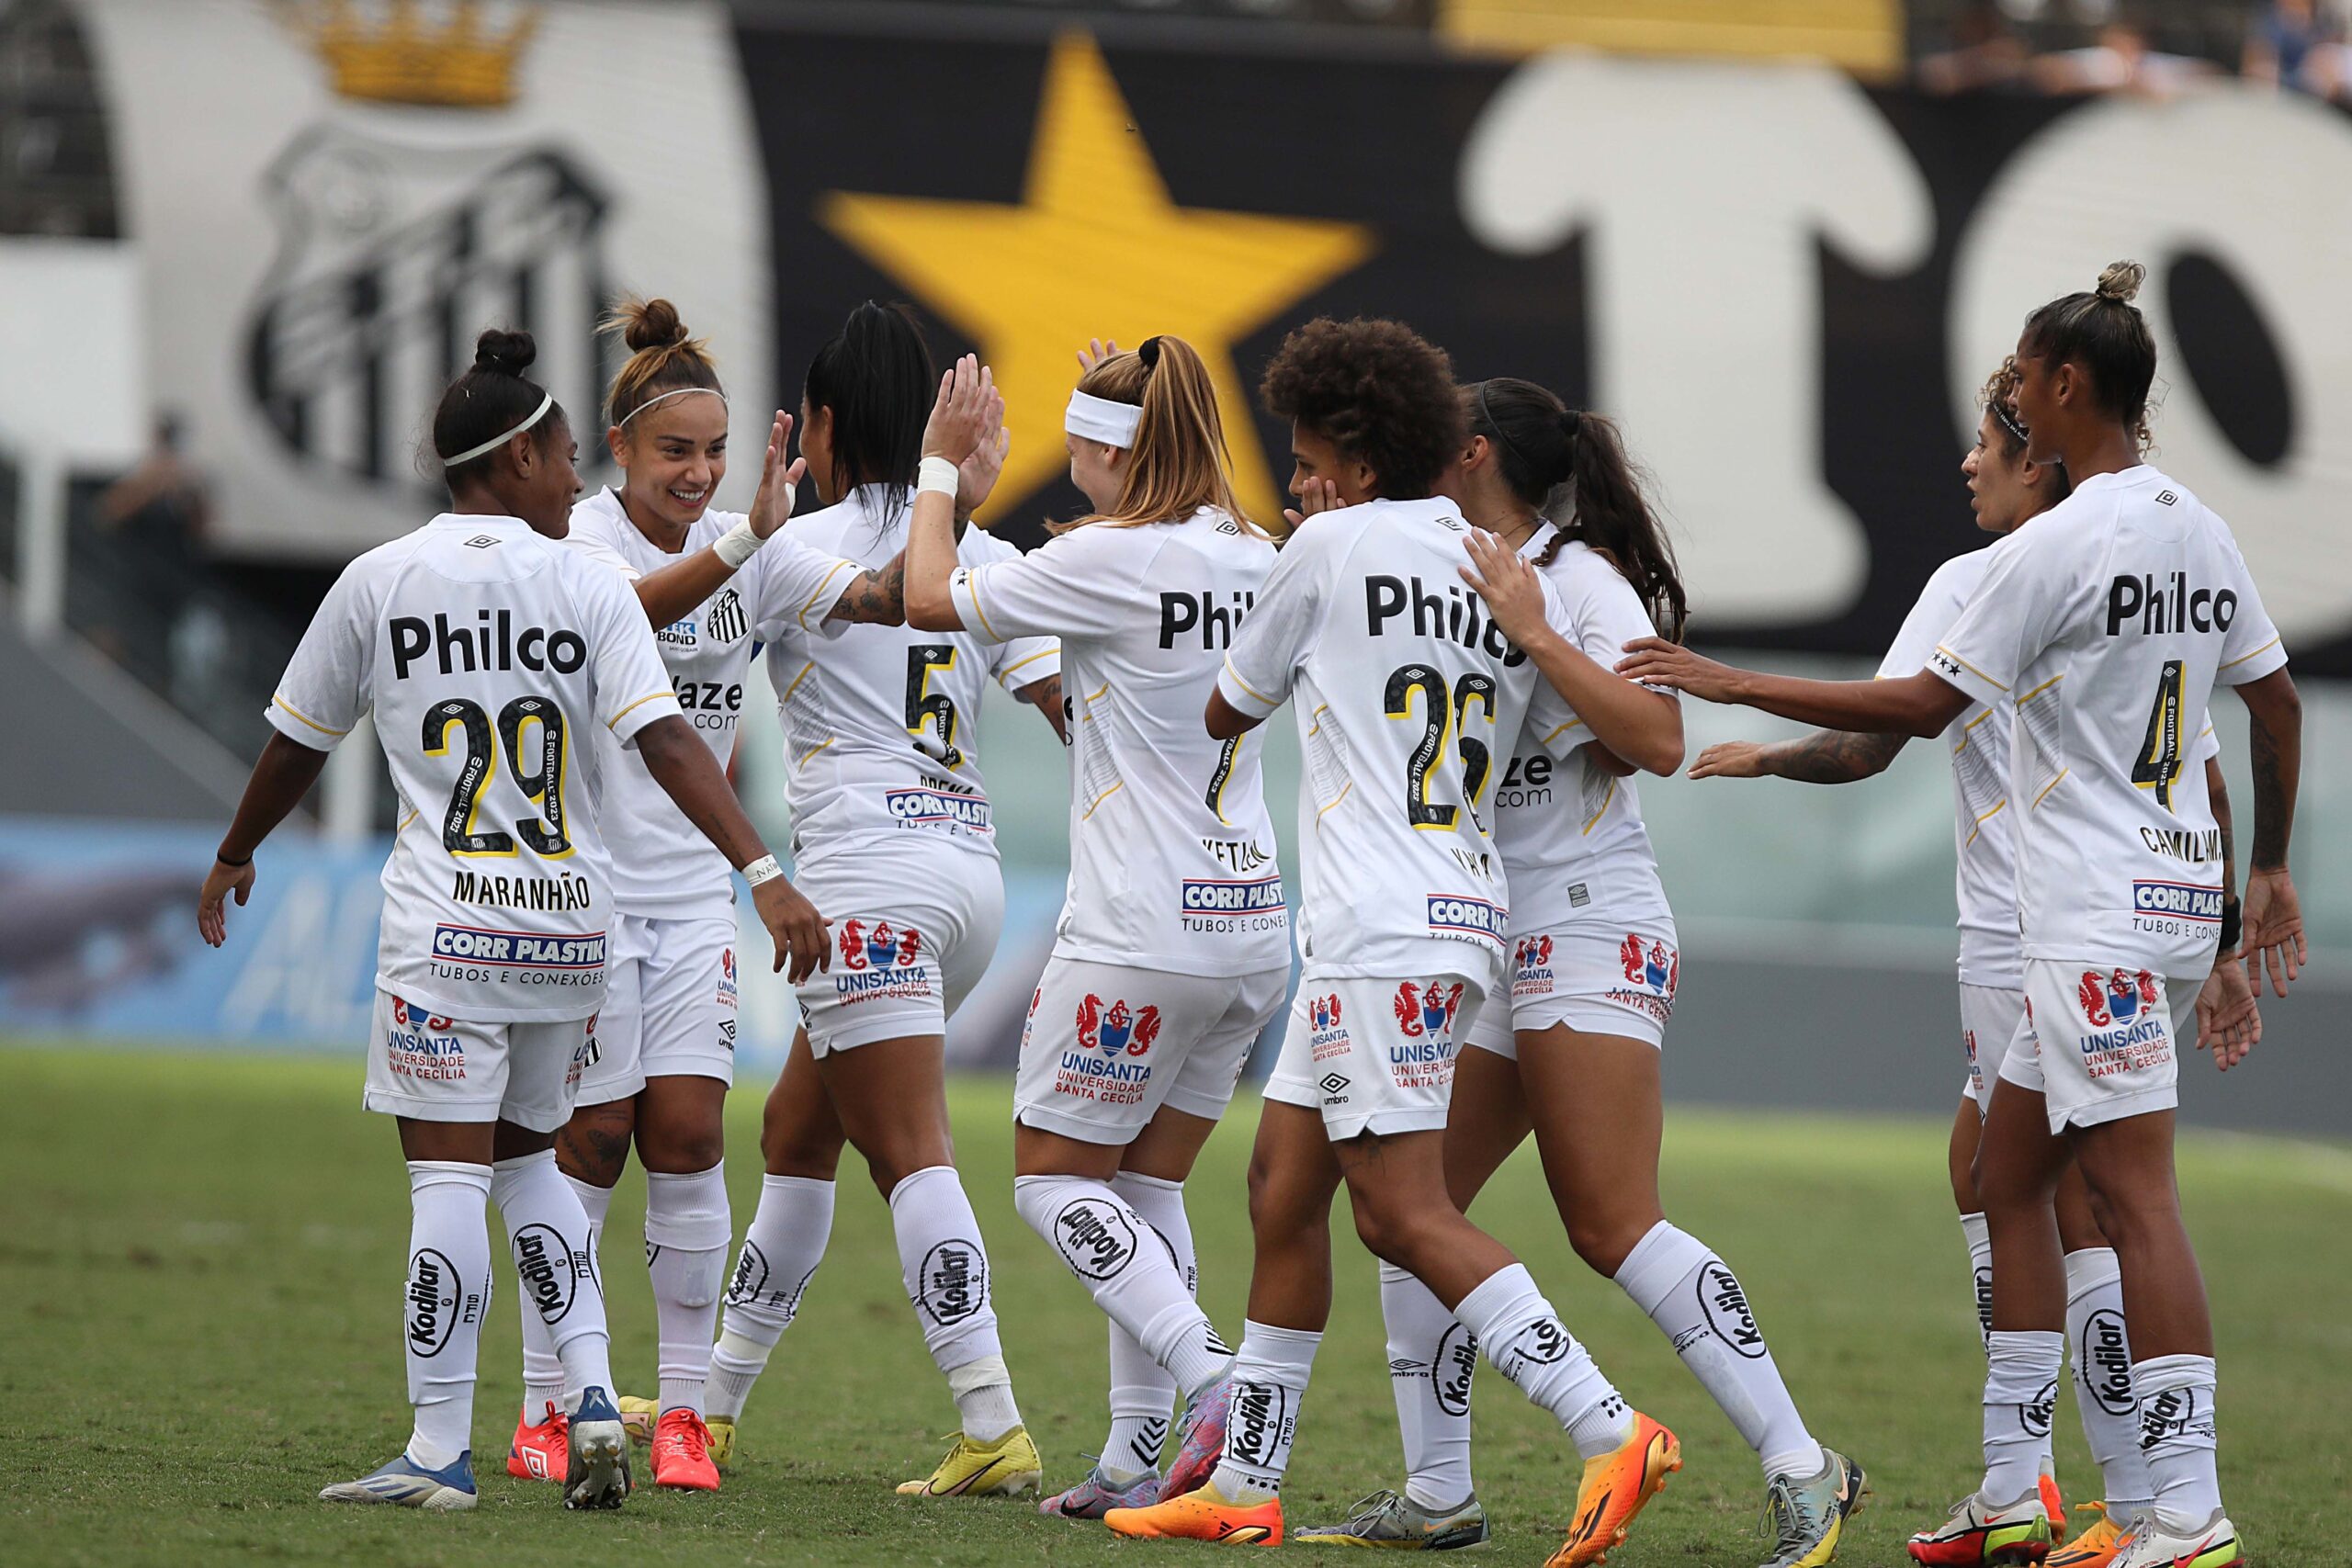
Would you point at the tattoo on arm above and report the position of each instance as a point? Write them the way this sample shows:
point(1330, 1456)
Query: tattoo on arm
point(2270, 800)
point(1835, 756)
point(875, 596)
point(1047, 695)
point(2220, 791)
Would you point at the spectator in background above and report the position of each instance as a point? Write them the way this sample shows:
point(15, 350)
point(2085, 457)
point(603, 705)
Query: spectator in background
point(2122, 61)
point(155, 517)
point(1985, 52)
point(2287, 46)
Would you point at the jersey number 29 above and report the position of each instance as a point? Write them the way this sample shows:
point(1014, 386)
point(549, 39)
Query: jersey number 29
point(542, 782)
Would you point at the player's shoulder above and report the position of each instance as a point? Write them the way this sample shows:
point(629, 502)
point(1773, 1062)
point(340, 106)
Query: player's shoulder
point(980, 547)
point(824, 528)
point(1954, 581)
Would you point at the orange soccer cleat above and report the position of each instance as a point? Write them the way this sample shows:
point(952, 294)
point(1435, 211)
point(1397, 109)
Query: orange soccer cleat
point(1202, 1515)
point(2094, 1547)
point(682, 1459)
point(1614, 1488)
point(541, 1450)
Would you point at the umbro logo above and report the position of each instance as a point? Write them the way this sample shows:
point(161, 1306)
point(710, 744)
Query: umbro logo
point(482, 541)
point(2165, 498)
point(1333, 1083)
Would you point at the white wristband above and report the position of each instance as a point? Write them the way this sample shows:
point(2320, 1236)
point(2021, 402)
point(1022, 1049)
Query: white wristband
point(938, 474)
point(763, 869)
point(738, 544)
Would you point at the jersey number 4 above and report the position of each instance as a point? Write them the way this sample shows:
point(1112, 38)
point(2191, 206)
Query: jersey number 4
point(541, 782)
point(2158, 767)
point(1443, 714)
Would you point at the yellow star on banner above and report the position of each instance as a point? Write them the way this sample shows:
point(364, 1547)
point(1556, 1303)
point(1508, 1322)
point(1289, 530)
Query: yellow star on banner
point(1096, 249)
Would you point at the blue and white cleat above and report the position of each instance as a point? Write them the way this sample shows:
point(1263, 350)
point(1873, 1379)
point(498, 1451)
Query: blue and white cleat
point(1098, 1494)
point(404, 1483)
point(598, 1473)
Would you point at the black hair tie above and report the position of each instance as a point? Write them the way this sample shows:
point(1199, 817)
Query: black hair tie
point(1571, 423)
point(1150, 354)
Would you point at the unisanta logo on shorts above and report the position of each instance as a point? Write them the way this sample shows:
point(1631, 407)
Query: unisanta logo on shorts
point(2104, 1362)
point(1095, 1238)
point(1326, 1036)
point(919, 807)
point(1452, 1368)
point(2181, 901)
point(1212, 898)
point(1530, 963)
point(1653, 964)
point(518, 950)
point(424, 1046)
point(952, 1282)
point(728, 995)
point(432, 1300)
point(1258, 1418)
point(1452, 914)
point(882, 947)
point(2116, 998)
point(1117, 1029)
point(543, 1263)
point(1725, 1304)
point(1426, 1013)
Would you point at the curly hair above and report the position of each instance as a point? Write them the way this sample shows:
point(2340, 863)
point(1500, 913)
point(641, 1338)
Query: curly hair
point(1378, 390)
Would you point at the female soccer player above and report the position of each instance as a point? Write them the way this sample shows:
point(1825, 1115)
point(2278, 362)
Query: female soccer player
point(472, 639)
point(1173, 947)
point(1573, 1050)
point(714, 583)
point(892, 837)
point(1409, 703)
point(2107, 623)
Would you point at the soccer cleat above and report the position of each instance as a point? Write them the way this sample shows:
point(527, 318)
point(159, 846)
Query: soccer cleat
point(1392, 1520)
point(2053, 1501)
point(1200, 1439)
point(1979, 1534)
point(597, 1476)
point(1614, 1488)
point(404, 1483)
point(682, 1453)
point(540, 1450)
point(723, 1440)
point(1203, 1514)
point(1807, 1514)
point(2094, 1548)
point(640, 1416)
point(1098, 1494)
point(1005, 1468)
point(2151, 1543)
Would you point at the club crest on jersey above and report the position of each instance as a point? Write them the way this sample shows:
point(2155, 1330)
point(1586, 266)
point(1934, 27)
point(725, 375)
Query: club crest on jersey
point(1531, 966)
point(881, 947)
point(1117, 1028)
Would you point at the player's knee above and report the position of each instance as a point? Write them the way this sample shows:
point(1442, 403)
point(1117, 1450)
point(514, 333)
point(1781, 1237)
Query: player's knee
point(1605, 1241)
point(680, 1150)
point(593, 1145)
point(792, 1151)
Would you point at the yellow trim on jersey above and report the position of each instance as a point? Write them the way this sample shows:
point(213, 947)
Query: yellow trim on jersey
point(1972, 669)
point(972, 586)
point(636, 704)
point(839, 566)
point(1045, 653)
point(1605, 807)
point(1973, 832)
point(2242, 658)
point(402, 825)
point(1562, 730)
point(554, 786)
point(2053, 784)
point(795, 684)
point(1246, 686)
point(1101, 798)
point(314, 723)
point(1336, 799)
point(813, 752)
point(2038, 690)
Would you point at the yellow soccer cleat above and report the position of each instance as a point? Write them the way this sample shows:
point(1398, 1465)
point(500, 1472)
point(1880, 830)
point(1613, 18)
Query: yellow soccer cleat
point(640, 1416)
point(1005, 1468)
point(1203, 1514)
point(1614, 1488)
point(722, 1441)
point(2094, 1548)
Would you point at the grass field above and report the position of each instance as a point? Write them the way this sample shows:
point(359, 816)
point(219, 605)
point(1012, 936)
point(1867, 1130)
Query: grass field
point(201, 1256)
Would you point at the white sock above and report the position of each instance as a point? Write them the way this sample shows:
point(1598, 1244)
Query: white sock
point(1524, 1340)
point(542, 1368)
point(686, 1231)
point(1143, 1394)
point(2177, 1436)
point(945, 1270)
point(1431, 1360)
point(2104, 1396)
point(781, 1251)
point(2021, 1368)
point(1270, 1375)
point(1980, 1266)
point(547, 1230)
point(1698, 1302)
point(1132, 1276)
point(443, 1300)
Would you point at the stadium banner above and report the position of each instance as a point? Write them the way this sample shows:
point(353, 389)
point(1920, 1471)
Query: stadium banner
point(98, 941)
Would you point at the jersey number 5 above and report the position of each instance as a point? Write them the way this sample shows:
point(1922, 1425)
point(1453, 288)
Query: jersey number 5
point(926, 706)
point(2158, 767)
point(1443, 713)
point(542, 782)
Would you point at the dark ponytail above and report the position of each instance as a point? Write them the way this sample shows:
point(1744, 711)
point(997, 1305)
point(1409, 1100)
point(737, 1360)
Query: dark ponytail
point(2104, 333)
point(877, 380)
point(493, 396)
point(1564, 462)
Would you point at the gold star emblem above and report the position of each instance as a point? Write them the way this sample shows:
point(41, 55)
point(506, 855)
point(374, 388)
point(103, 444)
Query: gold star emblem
point(1096, 249)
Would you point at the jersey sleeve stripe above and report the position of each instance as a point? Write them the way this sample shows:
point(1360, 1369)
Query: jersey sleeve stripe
point(1562, 730)
point(650, 696)
point(1043, 653)
point(1246, 685)
point(1989, 815)
point(818, 597)
point(2242, 658)
point(2038, 690)
point(306, 718)
point(972, 586)
point(1103, 796)
point(2053, 784)
point(1972, 669)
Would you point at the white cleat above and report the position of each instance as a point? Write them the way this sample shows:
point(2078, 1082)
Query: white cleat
point(598, 1477)
point(2152, 1544)
point(404, 1483)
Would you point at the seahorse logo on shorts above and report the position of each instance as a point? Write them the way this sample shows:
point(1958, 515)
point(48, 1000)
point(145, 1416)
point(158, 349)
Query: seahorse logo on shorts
point(1531, 967)
point(1116, 1028)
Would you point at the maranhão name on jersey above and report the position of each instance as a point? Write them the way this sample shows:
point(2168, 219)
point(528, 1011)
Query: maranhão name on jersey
point(1454, 614)
point(1180, 613)
point(2173, 605)
point(1451, 914)
point(558, 892)
point(491, 643)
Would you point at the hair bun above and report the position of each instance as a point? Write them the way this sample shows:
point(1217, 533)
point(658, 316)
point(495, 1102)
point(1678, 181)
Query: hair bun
point(649, 324)
point(2121, 282)
point(509, 353)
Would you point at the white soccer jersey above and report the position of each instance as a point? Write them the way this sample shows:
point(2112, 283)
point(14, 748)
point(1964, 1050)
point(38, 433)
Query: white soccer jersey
point(2107, 621)
point(663, 866)
point(484, 651)
point(1571, 833)
point(1409, 703)
point(1172, 860)
point(881, 726)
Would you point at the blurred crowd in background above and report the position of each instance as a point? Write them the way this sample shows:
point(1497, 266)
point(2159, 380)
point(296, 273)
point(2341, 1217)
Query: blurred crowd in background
point(2113, 46)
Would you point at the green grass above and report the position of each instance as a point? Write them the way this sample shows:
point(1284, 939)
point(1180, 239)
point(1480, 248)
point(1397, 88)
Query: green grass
point(200, 1259)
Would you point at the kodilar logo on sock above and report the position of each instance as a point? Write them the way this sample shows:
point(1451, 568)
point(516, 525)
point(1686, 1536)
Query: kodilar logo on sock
point(2174, 1413)
point(952, 1282)
point(2104, 1362)
point(1260, 1413)
point(544, 1264)
point(1453, 1367)
point(750, 1276)
point(432, 1300)
point(1725, 1304)
point(2037, 1412)
point(1095, 1238)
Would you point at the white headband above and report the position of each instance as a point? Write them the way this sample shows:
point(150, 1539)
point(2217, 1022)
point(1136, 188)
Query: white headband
point(1100, 419)
point(675, 392)
point(547, 401)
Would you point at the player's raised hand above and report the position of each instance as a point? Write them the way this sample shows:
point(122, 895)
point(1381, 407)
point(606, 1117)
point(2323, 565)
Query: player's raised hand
point(798, 931)
point(1654, 661)
point(1730, 760)
point(1316, 495)
point(967, 409)
point(1513, 592)
point(779, 480)
point(976, 475)
point(2274, 929)
point(2229, 1023)
point(211, 904)
point(1096, 351)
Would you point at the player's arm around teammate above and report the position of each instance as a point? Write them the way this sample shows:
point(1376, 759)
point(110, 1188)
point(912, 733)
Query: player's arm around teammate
point(1172, 950)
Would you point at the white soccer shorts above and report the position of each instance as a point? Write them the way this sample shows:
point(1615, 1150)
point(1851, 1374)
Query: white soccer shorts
point(669, 1007)
point(2097, 1041)
point(912, 934)
point(1107, 1045)
point(1989, 1017)
point(1596, 977)
point(431, 1069)
point(1375, 1056)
